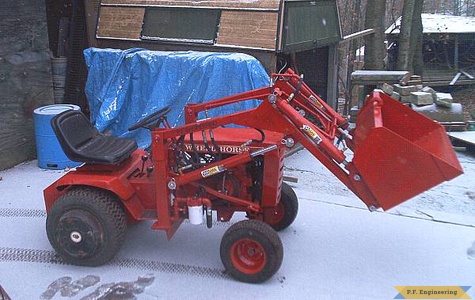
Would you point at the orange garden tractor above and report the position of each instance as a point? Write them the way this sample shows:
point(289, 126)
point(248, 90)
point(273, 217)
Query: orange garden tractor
point(206, 165)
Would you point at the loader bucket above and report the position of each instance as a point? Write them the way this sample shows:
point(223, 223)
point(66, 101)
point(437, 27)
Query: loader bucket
point(400, 153)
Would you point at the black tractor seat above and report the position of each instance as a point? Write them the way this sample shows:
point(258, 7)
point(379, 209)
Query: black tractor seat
point(82, 142)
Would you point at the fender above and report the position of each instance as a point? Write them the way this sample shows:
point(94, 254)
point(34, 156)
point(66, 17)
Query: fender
point(116, 179)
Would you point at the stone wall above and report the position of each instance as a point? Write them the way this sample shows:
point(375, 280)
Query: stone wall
point(25, 77)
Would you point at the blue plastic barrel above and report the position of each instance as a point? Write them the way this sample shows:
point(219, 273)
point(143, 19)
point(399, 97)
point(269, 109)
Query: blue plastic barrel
point(49, 151)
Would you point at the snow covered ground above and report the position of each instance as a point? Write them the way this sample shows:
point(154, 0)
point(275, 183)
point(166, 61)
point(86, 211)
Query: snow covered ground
point(336, 248)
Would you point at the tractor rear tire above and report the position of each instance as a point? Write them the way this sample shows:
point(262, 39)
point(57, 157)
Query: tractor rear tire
point(251, 251)
point(286, 210)
point(86, 226)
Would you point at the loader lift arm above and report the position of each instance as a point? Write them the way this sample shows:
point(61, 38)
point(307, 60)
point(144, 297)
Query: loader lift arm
point(397, 141)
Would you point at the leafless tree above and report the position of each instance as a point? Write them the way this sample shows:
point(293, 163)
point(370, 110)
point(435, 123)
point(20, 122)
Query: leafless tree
point(404, 43)
point(374, 44)
point(410, 37)
point(352, 16)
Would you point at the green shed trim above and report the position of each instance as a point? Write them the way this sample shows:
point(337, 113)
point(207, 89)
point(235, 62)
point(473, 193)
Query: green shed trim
point(309, 25)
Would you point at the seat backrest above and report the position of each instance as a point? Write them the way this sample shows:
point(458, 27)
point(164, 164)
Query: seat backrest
point(73, 129)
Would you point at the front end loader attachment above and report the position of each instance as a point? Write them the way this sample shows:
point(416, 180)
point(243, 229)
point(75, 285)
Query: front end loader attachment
point(400, 153)
point(396, 153)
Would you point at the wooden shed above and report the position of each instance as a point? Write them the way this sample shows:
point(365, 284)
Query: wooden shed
point(280, 33)
point(448, 49)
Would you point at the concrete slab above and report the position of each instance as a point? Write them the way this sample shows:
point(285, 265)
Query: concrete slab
point(463, 139)
point(466, 136)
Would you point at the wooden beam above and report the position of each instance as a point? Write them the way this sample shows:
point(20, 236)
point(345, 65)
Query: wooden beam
point(358, 34)
point(375, 77)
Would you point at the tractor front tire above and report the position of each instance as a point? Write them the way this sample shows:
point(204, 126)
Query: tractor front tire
point(286, 210)
point(251, 251)
point(86, 226)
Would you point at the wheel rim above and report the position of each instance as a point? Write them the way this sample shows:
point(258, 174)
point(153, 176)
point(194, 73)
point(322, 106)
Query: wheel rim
point(79, 233)
point(248, 256)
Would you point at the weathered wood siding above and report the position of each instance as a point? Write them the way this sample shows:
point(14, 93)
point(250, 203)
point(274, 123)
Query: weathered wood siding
point(248, 29)
point(121, 22)
point(261, 4)
point(25, 77)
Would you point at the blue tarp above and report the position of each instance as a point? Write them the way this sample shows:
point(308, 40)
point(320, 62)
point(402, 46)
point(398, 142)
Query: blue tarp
point(124, 86)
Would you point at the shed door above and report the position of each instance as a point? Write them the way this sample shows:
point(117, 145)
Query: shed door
point(313, 64)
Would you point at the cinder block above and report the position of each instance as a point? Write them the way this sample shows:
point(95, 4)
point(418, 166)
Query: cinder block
point(421, 98)
point(444, 100)
point(405, 90)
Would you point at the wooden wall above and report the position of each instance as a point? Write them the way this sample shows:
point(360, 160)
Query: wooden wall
point(242, 24)
point(25, 77)
point(121, 22)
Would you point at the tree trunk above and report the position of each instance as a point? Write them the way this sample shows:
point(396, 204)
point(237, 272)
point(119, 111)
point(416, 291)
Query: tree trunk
point(355, 7)
point(404, 45)
point(417, 61)
point(374, 44)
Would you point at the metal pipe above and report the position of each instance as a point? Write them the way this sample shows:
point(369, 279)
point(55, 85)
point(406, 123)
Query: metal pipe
point(262, 151)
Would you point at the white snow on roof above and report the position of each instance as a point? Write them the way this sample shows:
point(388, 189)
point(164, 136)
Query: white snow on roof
point(435, 23)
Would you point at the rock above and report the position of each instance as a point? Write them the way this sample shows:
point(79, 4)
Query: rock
point(422, 98)
point(428, 89)
point(405, 90)
point(396, 96)
point(442, 114)
point(406, 99)
point(388, 89)
point(444, 99)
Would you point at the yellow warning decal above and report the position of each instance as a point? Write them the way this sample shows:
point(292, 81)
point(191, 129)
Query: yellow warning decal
point(311, 133)
point(214, 170)
point(315, 100)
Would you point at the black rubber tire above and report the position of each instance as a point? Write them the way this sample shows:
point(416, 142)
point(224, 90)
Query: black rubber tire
point(86, 226)
point(287, 209)
point(263, 256)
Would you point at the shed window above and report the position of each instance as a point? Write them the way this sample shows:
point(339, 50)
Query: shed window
point(310, 25)
point(193, 25)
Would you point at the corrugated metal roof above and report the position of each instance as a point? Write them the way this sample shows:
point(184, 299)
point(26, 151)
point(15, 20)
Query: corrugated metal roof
point(436, 23)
